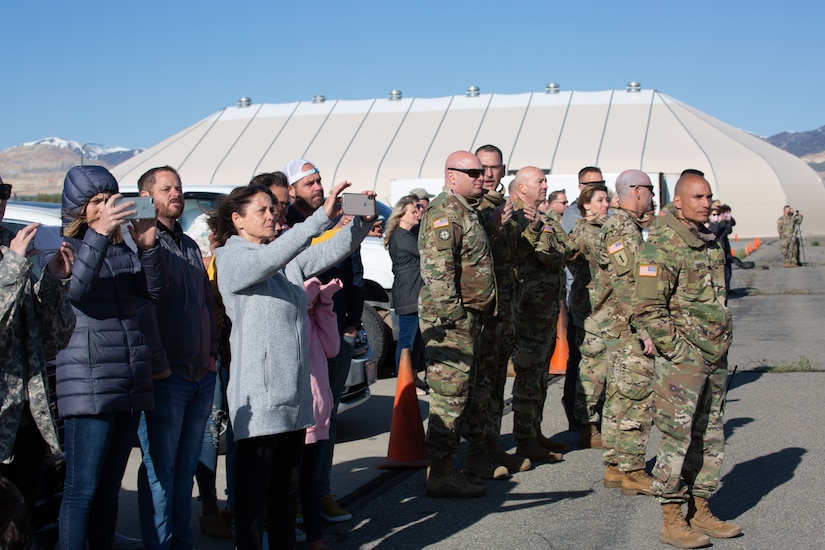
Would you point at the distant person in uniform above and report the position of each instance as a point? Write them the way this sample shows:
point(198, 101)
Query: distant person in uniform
point(788, 226)
point(680, 300)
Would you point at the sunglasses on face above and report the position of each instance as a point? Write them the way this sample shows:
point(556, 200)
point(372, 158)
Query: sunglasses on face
point(472, 172)
point(5, 191)
point(646, 187)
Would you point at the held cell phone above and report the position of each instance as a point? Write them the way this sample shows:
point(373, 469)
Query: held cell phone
point(356, 204)
point(144, 207)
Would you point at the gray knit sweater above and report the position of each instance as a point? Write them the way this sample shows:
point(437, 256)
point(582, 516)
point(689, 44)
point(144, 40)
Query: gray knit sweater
point(263, 292)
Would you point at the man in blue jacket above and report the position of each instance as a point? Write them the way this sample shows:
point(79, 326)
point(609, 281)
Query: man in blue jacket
point(183, 367)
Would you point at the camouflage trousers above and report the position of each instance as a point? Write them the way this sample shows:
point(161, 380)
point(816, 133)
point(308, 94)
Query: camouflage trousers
point(687, 408)
point(486, 405)
point(592, 379)
point(535, 343)
point(451, 354)
point(628, 406)
point(790, 250)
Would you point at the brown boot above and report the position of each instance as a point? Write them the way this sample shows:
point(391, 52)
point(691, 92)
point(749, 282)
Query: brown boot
point(513, 463)
point(589, 436)
point(552, 444)
point(478, 463)
point(444, 482)
point(636, 482)
point(530, 448)
point(613, 477)
point(701, 519)
point(676, 531)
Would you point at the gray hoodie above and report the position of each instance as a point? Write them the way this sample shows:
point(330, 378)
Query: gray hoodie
point(262, 286)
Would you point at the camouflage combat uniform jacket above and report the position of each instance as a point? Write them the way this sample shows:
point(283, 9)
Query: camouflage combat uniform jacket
point(587, 293)
point(456, 261)
point(680, 294)
point(619, 243)
point(539, 257)
point(502, 238)
point(785, 225)
point(36, 320)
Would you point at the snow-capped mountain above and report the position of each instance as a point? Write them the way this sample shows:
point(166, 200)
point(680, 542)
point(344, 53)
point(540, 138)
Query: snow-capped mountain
point(89, 151)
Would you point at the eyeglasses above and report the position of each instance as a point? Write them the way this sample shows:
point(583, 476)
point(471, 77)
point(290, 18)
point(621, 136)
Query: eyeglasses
point(600, 182)
point(5, 191)
point(646, 187)
point(472, 172)
point(562, 202)
point(419, 207)
point(486, 167)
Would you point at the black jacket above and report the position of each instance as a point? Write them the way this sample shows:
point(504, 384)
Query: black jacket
point(406, 269)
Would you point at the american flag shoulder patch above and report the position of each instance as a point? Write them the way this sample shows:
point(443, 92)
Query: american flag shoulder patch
point(648, 270)
point(615, 247)
point(440, 222)
point(548, 229)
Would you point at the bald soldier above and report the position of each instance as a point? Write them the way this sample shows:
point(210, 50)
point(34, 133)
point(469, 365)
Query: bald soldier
point(459, 288)
point(627, 413)
point(680, 300)
point(539, 258)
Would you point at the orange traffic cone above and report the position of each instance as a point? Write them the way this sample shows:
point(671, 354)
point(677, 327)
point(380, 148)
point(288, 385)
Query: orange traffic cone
point(732, 252)
point(558, 363)
point(406, 448)
point(757, 242)
point(736, 237)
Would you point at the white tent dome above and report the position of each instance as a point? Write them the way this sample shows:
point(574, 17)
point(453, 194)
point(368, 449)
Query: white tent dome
point(373, 142)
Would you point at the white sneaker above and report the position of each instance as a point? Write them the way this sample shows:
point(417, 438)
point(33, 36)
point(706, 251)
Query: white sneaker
point(122, 542)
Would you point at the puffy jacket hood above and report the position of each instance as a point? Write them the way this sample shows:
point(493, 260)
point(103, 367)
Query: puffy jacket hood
point(81, 184)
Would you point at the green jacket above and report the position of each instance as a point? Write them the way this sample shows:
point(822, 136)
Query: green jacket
point(502, 240)
point(587, 292)
point(456, 261)
point(680, 294)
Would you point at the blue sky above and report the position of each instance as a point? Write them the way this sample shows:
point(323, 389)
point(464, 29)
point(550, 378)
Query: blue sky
point(133, 73)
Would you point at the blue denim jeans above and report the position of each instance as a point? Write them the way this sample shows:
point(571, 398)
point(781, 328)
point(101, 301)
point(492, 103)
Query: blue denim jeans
point(171, 437)
point(97, 450)
point(206, 471)
point(338, 371)
point(409, 336)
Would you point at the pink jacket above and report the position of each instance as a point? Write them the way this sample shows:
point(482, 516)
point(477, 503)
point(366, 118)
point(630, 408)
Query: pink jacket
point(324, 342)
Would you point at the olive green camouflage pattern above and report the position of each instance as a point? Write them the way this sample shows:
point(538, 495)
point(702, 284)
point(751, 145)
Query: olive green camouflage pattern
point(459, 287)
point(786, 225)
point(486, 405)
point(37, 321)
point(627, 414)
point(680, 299)
point(587, 296)
point(539, 257)
point(451, 353)
point(456, 262)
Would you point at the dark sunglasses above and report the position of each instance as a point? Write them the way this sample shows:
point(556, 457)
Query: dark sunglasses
point(646, 187)
point(472, 172)
point(5, 191)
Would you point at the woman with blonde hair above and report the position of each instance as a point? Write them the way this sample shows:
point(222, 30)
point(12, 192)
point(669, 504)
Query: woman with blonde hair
point(401, 239)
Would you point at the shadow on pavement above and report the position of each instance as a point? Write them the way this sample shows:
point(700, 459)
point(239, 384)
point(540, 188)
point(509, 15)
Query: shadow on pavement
point(745, 485)
point(733, 424)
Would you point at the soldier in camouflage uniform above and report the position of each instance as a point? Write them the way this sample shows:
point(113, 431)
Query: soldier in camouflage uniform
point(627, 413)
point(588, 314)
point(680, 300)
point(459, 288)
point(787, 226)
point(539, 257)
point(37, 320)
point(486, 404)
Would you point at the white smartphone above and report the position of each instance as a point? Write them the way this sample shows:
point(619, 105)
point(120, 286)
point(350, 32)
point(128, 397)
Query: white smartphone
point(144, 207)
point(356, 204)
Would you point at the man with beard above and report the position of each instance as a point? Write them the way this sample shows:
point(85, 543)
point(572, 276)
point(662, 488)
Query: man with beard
point(307, 194)
point(183, 368)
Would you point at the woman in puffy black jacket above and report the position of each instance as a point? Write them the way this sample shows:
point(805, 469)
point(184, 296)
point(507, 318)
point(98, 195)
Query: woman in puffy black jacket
point(104, 376)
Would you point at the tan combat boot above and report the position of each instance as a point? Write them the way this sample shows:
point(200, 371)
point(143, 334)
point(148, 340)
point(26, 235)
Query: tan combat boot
point(676, 531)
point(552, 444)
point(613, 477)
point(636, 482)
point(530, 448)
point(701, 519)
point(589, 436)
point(513, 463)
point(478, 463)
point(444, 482)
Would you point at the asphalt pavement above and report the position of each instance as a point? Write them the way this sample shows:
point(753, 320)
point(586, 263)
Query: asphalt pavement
point(773, 471)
